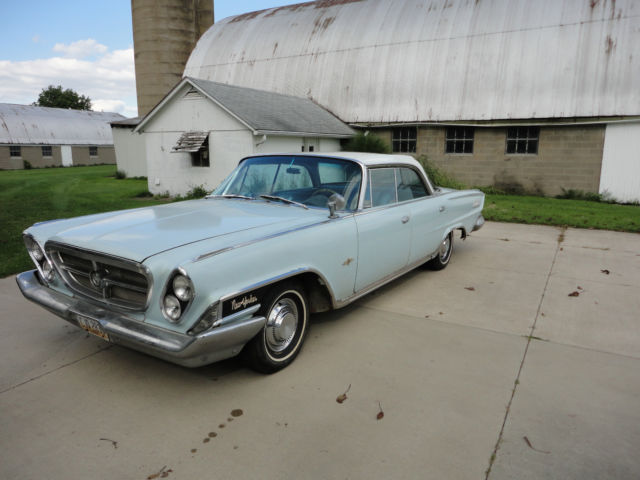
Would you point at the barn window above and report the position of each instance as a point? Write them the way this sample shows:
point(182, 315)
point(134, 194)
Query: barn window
point(93, 151)
point(459, 140)
point(523, 140)
point(46, 150)
point(15, 151)
point(195, 143)
point(404, 139)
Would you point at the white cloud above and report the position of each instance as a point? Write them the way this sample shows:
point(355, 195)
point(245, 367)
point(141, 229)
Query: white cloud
point(81, 48)
point(108, 79)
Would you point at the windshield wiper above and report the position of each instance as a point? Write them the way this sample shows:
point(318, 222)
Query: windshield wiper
point(231, 195)
point(285, 200)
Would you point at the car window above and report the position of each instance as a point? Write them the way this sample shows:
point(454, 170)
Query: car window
point(383, 186)
point(409, 185)
point(257, 179)
point(292, 177)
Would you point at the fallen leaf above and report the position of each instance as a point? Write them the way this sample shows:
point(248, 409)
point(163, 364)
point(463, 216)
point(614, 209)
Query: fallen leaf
point(212, 434)
point(580, 288)
point(114, 443)
point(206, 440)
point(237, 412)
point(471, 289)
point(343, 396)
point(532, 447)
point(606, 272)
point(194, 450)
point(574, 294)
point(156, 475)
point(380, 415)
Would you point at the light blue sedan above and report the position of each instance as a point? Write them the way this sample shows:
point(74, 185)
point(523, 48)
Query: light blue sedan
point(240, 271)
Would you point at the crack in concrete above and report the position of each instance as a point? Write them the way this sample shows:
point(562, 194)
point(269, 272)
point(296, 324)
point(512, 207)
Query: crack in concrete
point(17, 385)
point(530, 337)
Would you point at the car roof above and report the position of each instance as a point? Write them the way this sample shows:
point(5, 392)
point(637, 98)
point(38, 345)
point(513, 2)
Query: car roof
point(368, 159)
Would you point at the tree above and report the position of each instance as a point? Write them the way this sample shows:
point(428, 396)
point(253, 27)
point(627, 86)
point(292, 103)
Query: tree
point(58, 98)
point(363, 142)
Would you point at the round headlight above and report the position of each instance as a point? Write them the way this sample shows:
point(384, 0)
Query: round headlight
point(48, 271)
point(172, 309)
point(182, 288)
point(34, 249)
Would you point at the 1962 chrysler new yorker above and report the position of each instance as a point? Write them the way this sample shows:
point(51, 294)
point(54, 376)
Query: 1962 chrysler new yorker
point(283, 236)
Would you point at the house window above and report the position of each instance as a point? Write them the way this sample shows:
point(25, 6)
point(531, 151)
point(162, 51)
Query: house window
point(93, 151)
point(15, 151)
point(404, 139)
point(201, 157)
point(523, 140)
point(46, 150)
point(459, 140)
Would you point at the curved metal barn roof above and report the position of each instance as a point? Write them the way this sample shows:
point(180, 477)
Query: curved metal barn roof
point(382, 61)
point(29, 125)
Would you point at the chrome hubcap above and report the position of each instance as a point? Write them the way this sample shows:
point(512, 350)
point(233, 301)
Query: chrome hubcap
point(445, 247)
point(281, 324)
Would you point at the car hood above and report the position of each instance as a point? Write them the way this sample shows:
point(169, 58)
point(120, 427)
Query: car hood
point(141, 233)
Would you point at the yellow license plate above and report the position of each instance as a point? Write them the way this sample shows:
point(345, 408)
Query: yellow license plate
point(92, 326)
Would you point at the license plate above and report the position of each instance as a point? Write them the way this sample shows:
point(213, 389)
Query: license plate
point(92, 326)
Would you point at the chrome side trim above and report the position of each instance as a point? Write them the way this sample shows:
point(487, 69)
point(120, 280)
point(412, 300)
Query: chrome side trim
point(389, 278)
point(266, 237)
point(247, 312)
point(277, 279)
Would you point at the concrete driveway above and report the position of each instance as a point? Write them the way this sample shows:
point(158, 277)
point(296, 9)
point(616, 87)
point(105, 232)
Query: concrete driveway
point(488, 368)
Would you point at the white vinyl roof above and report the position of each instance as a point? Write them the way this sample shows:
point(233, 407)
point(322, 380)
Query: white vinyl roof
point(394, 61)
point(29, 125)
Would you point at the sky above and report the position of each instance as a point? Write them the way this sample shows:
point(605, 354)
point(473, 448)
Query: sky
point(85, 45)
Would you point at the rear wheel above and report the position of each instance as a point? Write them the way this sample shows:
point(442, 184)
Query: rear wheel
point(441, 260)
point(287, 317)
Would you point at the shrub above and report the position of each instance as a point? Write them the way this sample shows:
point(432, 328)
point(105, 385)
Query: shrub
point(364, 142)
point(198, 191)
point(438, 177)
point(575, 194)
point(120, 174)
point(27, 165)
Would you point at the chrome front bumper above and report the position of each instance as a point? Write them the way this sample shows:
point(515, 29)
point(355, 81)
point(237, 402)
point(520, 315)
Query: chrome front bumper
point(190, 351)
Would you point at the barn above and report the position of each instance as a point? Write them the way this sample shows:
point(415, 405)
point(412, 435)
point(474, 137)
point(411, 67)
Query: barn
point(526, 96)
point(54, 137)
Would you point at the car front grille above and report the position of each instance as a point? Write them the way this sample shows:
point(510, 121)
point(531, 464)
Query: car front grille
point(110, 280)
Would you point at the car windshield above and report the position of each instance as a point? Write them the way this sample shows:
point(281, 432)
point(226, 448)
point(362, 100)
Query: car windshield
point(304, 180)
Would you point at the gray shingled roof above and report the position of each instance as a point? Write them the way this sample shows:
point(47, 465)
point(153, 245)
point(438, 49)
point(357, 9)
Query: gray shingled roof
point(29, 125)
point(268, 112)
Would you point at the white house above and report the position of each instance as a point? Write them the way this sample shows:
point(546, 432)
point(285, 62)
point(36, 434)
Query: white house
point(197, 134)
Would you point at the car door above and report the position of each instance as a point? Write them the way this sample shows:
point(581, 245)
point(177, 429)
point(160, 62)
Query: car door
point(384, 229)
point(427, 212)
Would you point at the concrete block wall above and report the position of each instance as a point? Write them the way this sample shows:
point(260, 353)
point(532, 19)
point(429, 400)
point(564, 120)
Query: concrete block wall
point(569, 157)
point(31, 154)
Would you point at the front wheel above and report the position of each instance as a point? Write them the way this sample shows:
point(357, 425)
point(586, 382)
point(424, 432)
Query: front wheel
point(441, 260)
point(287, 318)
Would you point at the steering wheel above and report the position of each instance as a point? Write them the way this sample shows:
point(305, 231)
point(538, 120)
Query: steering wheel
point(314, 199)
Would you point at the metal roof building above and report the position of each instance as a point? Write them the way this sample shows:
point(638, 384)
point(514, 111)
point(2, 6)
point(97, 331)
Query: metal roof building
point(391, 61)
point(41, 136)
point(29, 125)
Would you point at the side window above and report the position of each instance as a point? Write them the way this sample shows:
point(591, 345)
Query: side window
point(410, 185)
point(383, 186)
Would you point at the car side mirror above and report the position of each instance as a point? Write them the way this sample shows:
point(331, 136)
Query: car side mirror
point(335, 202)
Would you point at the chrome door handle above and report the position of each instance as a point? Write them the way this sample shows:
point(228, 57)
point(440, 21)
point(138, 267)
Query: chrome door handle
point(405, 219)
point(443, 208)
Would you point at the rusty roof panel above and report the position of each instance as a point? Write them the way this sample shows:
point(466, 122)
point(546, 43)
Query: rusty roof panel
point(29, 125)
point(384, 61)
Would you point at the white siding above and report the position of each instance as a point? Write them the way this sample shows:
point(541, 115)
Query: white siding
point(131, 155)
point(621, 162)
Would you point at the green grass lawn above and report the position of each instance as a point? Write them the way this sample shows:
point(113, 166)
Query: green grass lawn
point(554, 211)
point(29, 196)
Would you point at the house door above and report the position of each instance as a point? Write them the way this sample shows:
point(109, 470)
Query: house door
point(67, 159)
